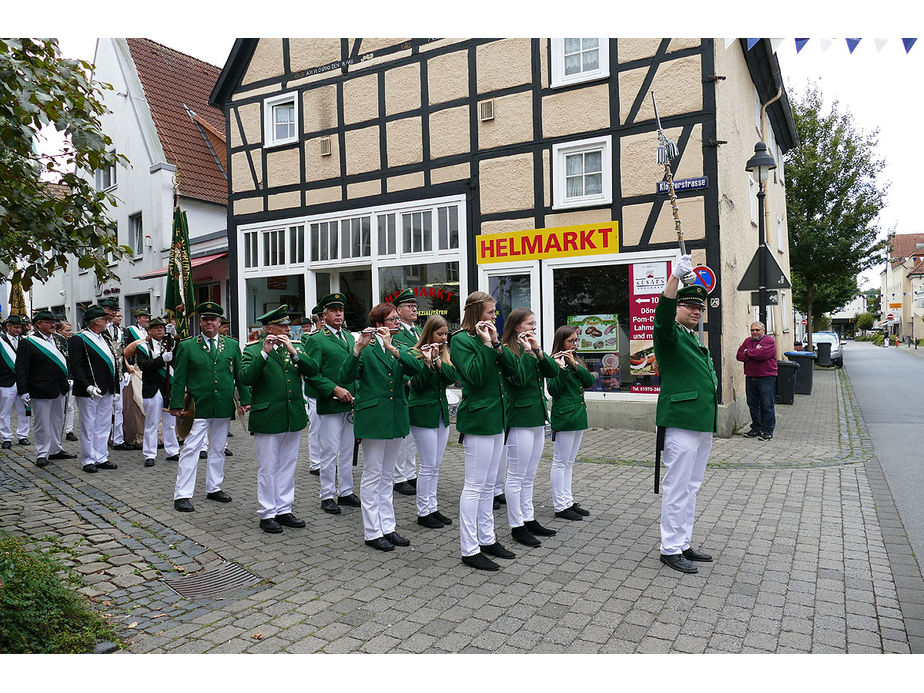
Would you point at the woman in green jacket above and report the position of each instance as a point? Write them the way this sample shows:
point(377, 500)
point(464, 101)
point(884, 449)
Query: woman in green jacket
point(526, 417)
point(380, 420)
point(569, 419)
point(481, 362)
point(429, 412)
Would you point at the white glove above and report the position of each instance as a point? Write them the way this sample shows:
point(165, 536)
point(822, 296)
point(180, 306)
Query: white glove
point(94, 392)
point(683, 266)
point(26, 398)
point(126, 378)
point(168, 356)
point(116, 397)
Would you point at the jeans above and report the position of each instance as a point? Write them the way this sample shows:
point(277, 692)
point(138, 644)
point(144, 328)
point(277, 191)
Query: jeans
point(761, 393)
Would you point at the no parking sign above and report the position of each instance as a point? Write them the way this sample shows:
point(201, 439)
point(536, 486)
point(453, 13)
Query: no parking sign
point(705, 277)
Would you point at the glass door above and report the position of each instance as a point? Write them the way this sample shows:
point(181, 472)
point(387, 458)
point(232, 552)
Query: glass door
point(512, 286)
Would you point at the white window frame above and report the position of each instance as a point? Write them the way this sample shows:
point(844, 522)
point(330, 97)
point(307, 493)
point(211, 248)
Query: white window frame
point(113, 176)
point(269, 124)
point(784, 310)
point(136, 234)
point(604, 144)
point(557, 60)
point(771, 319)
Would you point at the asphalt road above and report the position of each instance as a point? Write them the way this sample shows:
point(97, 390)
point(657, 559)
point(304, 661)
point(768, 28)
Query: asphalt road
point(889, 386)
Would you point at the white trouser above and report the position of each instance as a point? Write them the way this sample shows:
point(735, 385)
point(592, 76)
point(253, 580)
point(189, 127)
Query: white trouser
point(685, 456)
point(501, 477)
point(95, 422)
point(48, 415)
point(8, 400)
point(563, 456)
point(277, 455)
point(476, 506)
point(69, 411)
point(406, 464)
point(314, 433)
point(118, 435)
point(431, 444)
point(216, 432)
point(376, 487)
point(524, 448)
point(154, 414)
point(336, 434)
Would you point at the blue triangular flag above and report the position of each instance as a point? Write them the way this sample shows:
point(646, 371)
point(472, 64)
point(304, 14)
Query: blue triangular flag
point(908, 43)
point(752, 43)
point(800, 44)
point(852, 44)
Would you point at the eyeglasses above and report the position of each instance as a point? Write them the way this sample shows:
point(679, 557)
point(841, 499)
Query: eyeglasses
point(393, 318)
point(692, 307)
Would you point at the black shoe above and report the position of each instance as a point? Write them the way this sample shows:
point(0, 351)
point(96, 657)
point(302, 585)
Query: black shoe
point(405, 489)
point(380, 543)
point(579, 510)
point(765, 436)
point(88, 468)
point(184, 505)
point(122, 446)
point(569, 514)
point(7, 444)
point(496, 504)
point(538, 530)
point(316, 472)
point(442, 518)
point(71, 437)
point(61, 455)
point(173, 458)
point(430, 522)
point(752, 434)
point(498, 551)
point(480, 562)
point(228, 453)
point(500, 498)
point(397, 539)
point(42, 462)
point(149, 463)
point(678, 562)
point(329, 505)
point(352, 500)
point(203, 455)
point(692, 554)
point(107, 465)
point(289, 520)
point(24, 441)
point(219, 496)
point(413, 482)
point(270, 526)
point(230, 434)
point(522, 535)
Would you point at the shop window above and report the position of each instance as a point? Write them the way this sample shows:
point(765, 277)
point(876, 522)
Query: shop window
point(436, 286)
point(582, 173)
point(297, 244)
point(251, 258)
point(274, 247)
point(577, 60)
point(355, 238)
point(280, 119)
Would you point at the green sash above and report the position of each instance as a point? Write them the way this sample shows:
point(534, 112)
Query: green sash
point(7, 354)
point(143, 348)
point(107, 357)
point(54, 355)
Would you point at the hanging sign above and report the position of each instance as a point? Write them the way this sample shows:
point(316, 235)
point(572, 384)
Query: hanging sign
point(538, 244)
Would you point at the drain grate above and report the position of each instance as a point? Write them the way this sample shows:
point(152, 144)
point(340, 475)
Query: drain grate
point(225, 578)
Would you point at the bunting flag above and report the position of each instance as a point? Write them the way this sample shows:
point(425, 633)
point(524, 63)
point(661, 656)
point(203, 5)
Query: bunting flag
point(179, 301)
point(800, 44)
point(852, 44)
point(908, 43)
point(880, 44)
point(752, 43)
point(775, 44)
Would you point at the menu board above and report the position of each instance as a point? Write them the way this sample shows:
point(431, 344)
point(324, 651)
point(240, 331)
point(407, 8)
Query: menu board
point(599, 333)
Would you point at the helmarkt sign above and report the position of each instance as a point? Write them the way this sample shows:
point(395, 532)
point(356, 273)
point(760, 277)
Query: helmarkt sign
point(541, 244)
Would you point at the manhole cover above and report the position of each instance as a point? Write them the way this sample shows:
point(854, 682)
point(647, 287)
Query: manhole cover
point(225, 578)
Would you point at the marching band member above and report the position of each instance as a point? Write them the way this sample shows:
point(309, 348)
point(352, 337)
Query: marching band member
point(380, 420)
point(64, 331)
point(273, 368)
point(115, 335)
point(153, 358)
point(481, 362)
point(569, 419)
point(429, 415)
point(527, 415)
point(405, 476)
point(42, 381)
point(206, 367)
point(94, 370)
point(9, 345)
point(140, 329)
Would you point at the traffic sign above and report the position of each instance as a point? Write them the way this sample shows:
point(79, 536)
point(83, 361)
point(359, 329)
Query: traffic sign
point(773, 273)
point(705, 277)
point(804, 321)
point(773, 298)
point(890, 317)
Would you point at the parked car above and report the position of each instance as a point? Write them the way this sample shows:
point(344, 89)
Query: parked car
point(837, 347)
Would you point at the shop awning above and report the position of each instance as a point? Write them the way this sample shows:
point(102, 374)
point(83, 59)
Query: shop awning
point(194, 262)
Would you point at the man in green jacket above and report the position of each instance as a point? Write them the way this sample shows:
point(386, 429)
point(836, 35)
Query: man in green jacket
point(405, 475)
point(273, 367)
point(208, 368)
point(687, 409)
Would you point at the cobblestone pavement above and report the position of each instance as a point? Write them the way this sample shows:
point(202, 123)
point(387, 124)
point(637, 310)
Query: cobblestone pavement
point(808, 547)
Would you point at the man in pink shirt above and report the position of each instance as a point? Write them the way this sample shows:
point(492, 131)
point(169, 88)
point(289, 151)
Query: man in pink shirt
point(758, 352)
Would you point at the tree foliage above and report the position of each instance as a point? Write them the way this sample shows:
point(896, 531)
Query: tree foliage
point(865, 321)
point(38, 228)
point(833, 199)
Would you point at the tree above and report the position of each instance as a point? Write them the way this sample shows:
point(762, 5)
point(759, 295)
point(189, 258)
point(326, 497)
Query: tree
point(865, 321)
point(39, 229)
point(833, 198)
point(872, 302)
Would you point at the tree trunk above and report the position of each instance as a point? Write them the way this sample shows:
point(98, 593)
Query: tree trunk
point(808, 317)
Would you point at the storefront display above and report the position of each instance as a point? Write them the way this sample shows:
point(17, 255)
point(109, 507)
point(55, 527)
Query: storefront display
point(436, 286)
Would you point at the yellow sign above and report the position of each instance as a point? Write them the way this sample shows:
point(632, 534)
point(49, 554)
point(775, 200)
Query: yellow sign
point(537, 244)
point(895, 305)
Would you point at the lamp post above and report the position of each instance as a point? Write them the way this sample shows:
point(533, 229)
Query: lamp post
point(762, 162)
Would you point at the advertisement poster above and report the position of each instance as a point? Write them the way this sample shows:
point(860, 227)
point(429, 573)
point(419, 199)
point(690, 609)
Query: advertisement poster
point(646, 281)
point(598, 346)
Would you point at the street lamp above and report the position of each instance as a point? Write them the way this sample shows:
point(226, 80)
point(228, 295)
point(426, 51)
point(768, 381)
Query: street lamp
point(762, 162)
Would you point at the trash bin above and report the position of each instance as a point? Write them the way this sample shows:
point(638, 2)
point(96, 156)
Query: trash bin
point(806, 361)
point(786, 381)
point(824, 354)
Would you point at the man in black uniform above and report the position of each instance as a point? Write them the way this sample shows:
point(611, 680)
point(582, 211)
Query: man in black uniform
point(9, 398)
point(154, 363)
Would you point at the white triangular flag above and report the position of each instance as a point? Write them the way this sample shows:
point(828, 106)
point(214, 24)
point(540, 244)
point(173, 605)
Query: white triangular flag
point(880, 44)
point(825, 44)
point(775, 44)
point(729, 42)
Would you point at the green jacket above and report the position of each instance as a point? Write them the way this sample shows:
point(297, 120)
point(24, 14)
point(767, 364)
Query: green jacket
point(481, 371)
point(525, 394)
point(278, 403)
point(427, 400)
point(380, 409)
point(569, 412)
point(309, 390)
point(210, 381)
point(405, 338)
point(688, 381)
point(329, 353)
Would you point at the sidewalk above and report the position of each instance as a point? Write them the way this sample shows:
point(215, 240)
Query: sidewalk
point(808, 555)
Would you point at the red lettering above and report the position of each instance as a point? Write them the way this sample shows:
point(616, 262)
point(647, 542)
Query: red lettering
point(487, 248)
point(552, 240)
point(502, 246)
point(513, 248)
point(439, 295)
point(587, 240)
point(570, 239)
point(605, 232)
point(449, 295)
point(432, 292)
point(531, 245)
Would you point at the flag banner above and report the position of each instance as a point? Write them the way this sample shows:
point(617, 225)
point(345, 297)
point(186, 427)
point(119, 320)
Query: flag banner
point(729, 42)
point(179, 301)
point(752, 42)
point(880, 44)
point(825, 45)
point(775, 44)
point(908, 43)
point(800, 43)
point(852, 44)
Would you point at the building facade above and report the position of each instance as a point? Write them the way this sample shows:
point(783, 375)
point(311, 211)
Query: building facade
point(902, 284)
point(522, 167)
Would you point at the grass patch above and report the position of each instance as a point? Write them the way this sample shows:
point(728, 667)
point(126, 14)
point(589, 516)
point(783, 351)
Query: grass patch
point(39, 613)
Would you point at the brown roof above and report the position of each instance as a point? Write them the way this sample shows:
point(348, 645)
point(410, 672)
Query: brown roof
point(904, 246)
point(59, 190)
point(177, 88)
point(918, 268)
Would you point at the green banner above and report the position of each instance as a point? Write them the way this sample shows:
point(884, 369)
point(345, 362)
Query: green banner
point(179, 300)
